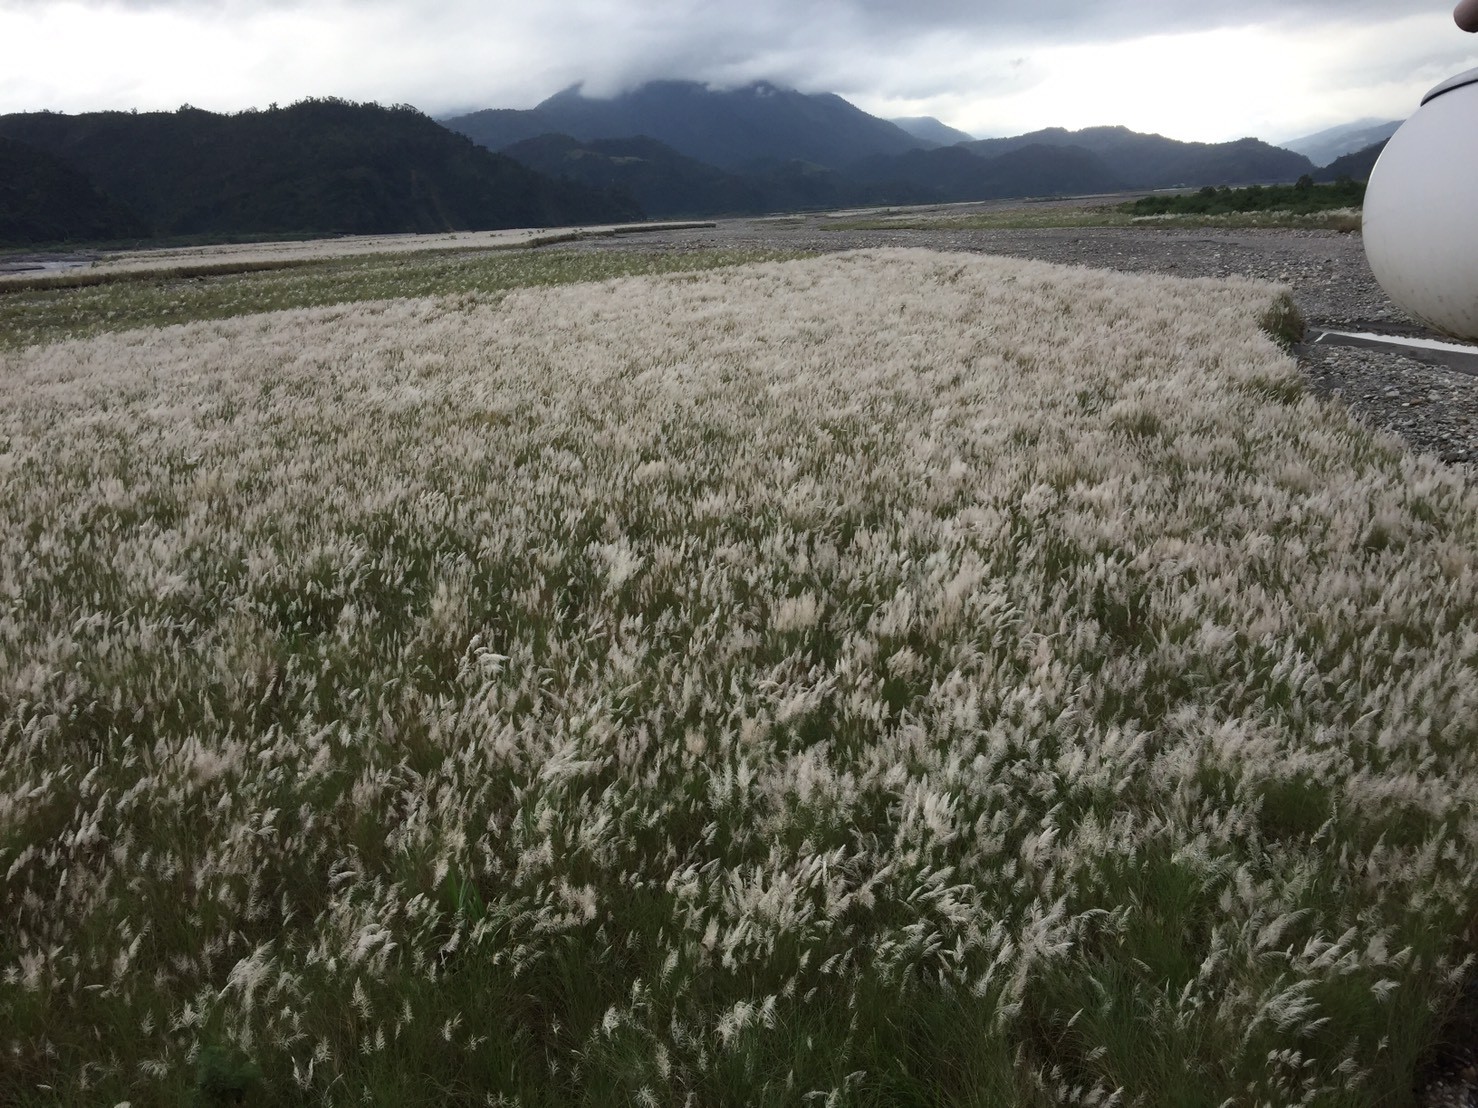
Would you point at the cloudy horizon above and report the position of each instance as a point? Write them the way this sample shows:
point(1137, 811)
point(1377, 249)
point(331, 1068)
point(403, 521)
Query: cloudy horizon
point(1271, 68)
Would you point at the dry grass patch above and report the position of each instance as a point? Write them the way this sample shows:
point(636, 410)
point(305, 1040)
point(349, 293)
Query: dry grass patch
point(892, 678)
point(75, 309)
point(228, 259)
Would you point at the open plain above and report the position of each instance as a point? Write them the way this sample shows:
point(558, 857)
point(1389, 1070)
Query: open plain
point(732, 667)
point(1431, 406)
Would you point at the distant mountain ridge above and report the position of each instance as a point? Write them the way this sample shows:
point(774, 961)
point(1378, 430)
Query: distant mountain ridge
point(731, 129)
point(955, 173)
point(665, 183)
point(317, 167)
point(1144, 161)
point(929, 129)
point(43, 199)
point(1323, 147)
point(1357, 166)
point(671, 185)
point(759, 142)
point(667, 148)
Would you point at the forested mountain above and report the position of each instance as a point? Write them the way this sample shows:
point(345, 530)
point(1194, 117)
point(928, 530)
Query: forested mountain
point(1357, 166)
point(664, 182)
point(667, 184)
point(1323, 147)
point(692, 150)
point(45, 200)
point(954, 173)
point(731, 129)
point(317, 167)
point(668, 148)
point(1143, 161)
point(931, 130)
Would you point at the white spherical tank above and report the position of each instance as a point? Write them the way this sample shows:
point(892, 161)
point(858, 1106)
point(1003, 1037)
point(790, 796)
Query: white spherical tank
point(1421, 220)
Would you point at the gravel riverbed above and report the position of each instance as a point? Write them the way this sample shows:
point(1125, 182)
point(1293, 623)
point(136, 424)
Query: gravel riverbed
point(1432, 407)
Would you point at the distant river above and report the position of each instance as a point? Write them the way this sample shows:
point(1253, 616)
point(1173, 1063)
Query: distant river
point(41, 264)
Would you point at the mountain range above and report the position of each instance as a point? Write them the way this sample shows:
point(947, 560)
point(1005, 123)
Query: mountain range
point(318, 167)
point(1323, 147)
point(1357, 166)
point(667, 148)
point(46, 199)
point(728, 128)
point(1143, 161)
point(929, 129)
point(668, 185)
point(684, 149)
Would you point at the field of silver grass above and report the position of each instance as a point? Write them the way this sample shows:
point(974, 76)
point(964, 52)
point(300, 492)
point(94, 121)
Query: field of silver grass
point(892, 678)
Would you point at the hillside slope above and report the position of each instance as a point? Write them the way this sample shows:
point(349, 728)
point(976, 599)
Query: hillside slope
point(931, 130)
point(730, 129)
point(955, 173)
point(1154, 161)
point(664, 182)
point(667, 184)
point(1357, 166)
point(317, 167)
point(1323, 147)
point(45, 200)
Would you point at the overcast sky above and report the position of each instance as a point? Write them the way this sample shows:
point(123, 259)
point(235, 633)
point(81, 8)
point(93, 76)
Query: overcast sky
point(1193, 70)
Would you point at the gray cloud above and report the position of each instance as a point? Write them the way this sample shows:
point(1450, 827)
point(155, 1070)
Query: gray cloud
point(896, 49)
point(449, 55)
point(1073, 18)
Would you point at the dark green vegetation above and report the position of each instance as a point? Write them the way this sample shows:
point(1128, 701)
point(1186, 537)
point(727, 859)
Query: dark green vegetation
point(1327, 146)
point(1284, 323)
point(1153, 161)
point(700, 151)
point(43, 199)
point(318, 167)
point(667, 184)
point(665, 149)
point(1303, 197)
point(732, 129)
point(50, 315)
point(931, 130)
point(1357, 166)
point(664, 182)
point(955, 173)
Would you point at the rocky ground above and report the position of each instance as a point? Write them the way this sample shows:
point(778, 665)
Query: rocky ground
point(1432, 407)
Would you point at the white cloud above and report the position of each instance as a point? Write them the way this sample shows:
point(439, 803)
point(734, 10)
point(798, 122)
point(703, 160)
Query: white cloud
point(1208, 85)
point(1188, 70)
